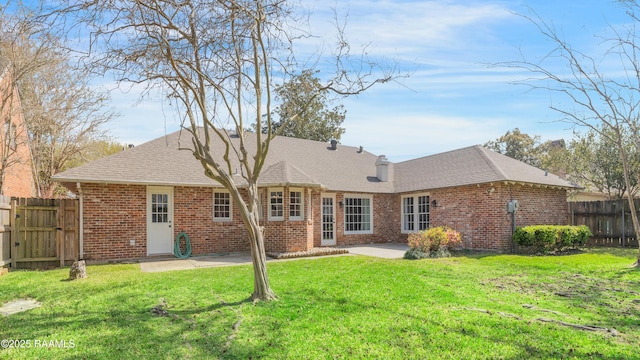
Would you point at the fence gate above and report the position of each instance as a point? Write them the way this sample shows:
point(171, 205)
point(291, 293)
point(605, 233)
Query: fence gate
point(44, 232)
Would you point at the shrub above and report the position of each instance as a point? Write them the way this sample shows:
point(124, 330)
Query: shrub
point(415, 254)
point(551, 237)
point(433, 242)
point(442, 252)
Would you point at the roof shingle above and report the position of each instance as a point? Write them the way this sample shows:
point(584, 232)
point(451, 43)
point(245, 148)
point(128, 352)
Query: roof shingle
point(299, 162)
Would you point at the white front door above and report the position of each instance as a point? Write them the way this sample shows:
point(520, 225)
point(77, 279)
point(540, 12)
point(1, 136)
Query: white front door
point(328, 219)
point(159, 220)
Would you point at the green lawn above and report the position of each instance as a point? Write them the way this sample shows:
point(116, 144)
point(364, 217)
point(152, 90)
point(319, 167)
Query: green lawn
point(472, 307)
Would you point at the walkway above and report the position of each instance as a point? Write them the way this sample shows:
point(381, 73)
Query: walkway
point(387, 251)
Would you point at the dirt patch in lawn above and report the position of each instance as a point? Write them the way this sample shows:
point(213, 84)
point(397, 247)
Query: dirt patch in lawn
point(18, 306)
point(615, 297)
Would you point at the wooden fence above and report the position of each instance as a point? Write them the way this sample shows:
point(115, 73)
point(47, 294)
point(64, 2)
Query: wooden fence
point(38, 233)
point(5, 230)
point(609, 221)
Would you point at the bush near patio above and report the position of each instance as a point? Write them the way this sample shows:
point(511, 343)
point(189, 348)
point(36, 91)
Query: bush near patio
point(548, 238)
point(434, 242)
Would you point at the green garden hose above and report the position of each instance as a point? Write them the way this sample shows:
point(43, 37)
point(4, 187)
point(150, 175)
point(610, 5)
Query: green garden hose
point(176, 247)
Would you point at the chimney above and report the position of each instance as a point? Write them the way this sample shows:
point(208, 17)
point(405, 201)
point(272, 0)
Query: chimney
point(382, 168)
point(334, 144)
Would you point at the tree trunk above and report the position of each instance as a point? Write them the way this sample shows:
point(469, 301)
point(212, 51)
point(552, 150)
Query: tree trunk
point(78, 270)
point(632, 206)
point(261, 289)
point(250, 211)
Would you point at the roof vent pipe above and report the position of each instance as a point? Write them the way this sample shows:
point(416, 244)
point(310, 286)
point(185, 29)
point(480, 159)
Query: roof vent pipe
point(334, 144)
point(382, 168)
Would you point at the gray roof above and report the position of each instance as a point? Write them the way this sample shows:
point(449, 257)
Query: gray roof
point(290, 161)
point(467, 166)
point(299, 162)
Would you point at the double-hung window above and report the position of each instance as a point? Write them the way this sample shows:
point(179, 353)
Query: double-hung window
point(276, 204)
point(296, 205)
point(358, 214)
point(222, 206)
point(415, 213)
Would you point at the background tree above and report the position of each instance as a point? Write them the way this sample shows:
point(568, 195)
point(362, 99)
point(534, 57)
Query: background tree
point(216, 60)
point(550, 155)
point(65, 116)
point(590, 91)
point(594, 162)
point(517, 145)
point(303, 111)
point(17, 28)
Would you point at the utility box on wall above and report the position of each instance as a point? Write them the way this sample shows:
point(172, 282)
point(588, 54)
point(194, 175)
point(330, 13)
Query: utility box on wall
point(512, 206)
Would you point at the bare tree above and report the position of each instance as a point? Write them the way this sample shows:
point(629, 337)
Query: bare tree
point(603, 99)
point(65, 116)
point(62, 113)
point(16, 28)
point(217, 61)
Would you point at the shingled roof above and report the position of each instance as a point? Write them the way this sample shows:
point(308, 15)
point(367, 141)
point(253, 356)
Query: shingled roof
point(467, 166)
point(290, 161)
point(306, 163)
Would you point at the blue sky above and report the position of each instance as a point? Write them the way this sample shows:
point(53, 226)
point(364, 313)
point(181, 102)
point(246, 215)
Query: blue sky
point(453, 98)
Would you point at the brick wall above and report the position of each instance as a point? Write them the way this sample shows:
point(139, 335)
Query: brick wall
point(116, 214)
point(385, 220)
point(479, 212)
point(18, 176)
point(193, 214)
point(112, 216)
point(288, 235)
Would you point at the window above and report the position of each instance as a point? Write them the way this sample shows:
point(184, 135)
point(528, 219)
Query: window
point(296, 205)
point(358, 217)
point(159, 208)
point(408, 217)
point(222, 206)
point(276, 204)
point(415, 213)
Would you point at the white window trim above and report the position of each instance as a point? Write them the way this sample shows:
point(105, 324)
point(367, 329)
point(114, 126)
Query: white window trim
point(301, 217)
point(261, 204)
point(284, 208)
point(213, 208)
point(344, 215)
point(415, 212)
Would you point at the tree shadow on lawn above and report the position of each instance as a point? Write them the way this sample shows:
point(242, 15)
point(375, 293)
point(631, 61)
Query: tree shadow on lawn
point(626, 252)
point(122, 329)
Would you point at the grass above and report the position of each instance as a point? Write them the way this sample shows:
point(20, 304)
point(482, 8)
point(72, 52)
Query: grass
point(474, 307)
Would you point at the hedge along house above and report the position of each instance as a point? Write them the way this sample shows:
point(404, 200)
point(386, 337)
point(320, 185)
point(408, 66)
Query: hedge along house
point(134, 203)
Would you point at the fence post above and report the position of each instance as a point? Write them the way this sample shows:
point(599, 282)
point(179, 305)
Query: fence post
point(14, 234)
point(60, 235)
point(623, 228)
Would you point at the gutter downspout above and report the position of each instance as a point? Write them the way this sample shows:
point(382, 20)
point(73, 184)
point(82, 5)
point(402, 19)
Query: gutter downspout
point(81, 220)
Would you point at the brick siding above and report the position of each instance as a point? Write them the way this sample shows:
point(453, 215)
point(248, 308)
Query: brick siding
point(112, 216)
point(18, 176)
point(479, 212)
point(116, 214)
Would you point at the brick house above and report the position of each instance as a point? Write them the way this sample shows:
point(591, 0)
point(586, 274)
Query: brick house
point(16, 176)
point(313, 194)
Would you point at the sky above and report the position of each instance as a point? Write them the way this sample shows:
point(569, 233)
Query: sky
point(456, 95)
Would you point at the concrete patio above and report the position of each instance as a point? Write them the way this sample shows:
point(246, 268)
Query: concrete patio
point(387, 251)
